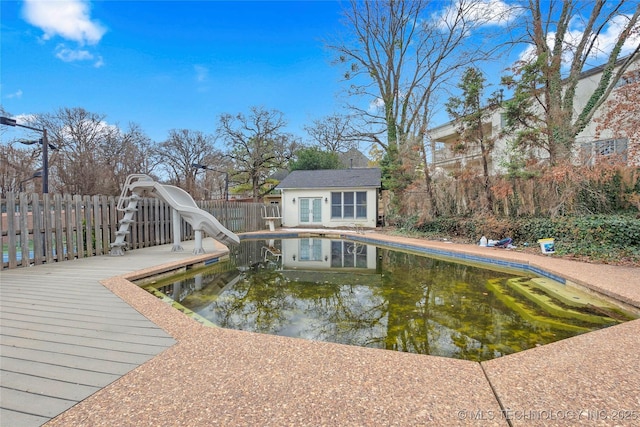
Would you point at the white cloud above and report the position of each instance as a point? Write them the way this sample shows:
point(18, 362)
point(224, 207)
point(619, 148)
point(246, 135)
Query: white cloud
point(202, 73)
point(202, 78)
point(478, 12)
point(106, 127)
point(607, 39)
point(490, 12)
point(69, 19)
point(529, 54)
point(101, 127)
point(99, 62)
point(15, 95)
point(70, 55)
point(571, 39)
point(25, 119)
point(602, 47)
point(376, 105)
point(67, 54)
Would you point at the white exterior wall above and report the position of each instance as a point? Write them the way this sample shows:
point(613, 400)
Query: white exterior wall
point(586, 86)
point(291, 250)
point(448, 135)
point(291, 209)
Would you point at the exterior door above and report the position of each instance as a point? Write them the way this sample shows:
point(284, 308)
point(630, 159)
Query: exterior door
point(310, 210)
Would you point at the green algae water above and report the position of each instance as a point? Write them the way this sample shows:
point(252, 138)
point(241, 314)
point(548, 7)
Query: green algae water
point(351, 293)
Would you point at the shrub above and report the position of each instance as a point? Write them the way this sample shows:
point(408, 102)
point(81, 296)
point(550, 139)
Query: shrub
point(604, 238)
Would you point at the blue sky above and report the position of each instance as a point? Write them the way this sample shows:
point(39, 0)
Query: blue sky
point(171, 64)
point(179, 64)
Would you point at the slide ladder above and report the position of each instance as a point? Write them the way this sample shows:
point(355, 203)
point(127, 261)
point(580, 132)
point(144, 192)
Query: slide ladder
point(119, 245)
point(183, 207)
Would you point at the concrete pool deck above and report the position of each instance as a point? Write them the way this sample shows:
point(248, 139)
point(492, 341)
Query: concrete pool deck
point(212, 376)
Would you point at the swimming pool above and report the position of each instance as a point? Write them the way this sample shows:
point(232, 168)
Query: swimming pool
point(356, 293)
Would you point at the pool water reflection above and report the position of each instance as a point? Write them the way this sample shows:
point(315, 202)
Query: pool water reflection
point(346, 292)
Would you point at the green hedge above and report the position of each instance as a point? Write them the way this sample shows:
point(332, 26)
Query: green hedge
point(602, 237)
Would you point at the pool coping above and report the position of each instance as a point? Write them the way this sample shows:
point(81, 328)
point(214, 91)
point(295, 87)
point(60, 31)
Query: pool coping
point(586, 378)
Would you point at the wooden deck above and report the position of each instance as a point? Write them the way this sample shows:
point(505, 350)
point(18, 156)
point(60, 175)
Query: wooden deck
point(63, 336)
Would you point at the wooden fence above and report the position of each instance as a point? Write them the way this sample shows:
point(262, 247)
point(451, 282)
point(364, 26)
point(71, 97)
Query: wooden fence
point(39, 229)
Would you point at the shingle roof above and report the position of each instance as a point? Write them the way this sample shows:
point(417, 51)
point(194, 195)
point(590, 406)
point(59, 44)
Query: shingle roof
point(332, 178)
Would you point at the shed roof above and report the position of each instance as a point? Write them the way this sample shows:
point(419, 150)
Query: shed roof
point(332, 178)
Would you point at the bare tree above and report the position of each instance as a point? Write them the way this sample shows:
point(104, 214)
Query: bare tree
point(127, 152)
point(564, 37)
point(333, 133)
point(140, 151)
point(182, 149)
point(78, 165)
point(398, 60)
point(17, 163)
point(216, 177)
point(257, 146)
point(17, 166)
point(92, 156)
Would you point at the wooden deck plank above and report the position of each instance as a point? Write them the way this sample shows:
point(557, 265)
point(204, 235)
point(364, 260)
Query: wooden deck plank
point(57, 372)
point(14, 418)
point(32, 404)
point(103, 313)
point(120, 334)
point(42, 386)
point(81, 322)
point(88, 347)
point(64, 336)
point(72, 361)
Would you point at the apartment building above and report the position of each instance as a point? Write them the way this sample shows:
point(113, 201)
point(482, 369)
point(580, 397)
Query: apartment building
point(447, 154)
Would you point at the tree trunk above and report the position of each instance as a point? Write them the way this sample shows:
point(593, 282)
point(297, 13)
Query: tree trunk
point(428, 183)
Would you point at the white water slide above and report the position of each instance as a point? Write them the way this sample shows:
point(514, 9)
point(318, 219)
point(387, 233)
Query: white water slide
point(140, 185)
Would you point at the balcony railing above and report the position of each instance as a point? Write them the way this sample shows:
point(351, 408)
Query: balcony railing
point(448, 153)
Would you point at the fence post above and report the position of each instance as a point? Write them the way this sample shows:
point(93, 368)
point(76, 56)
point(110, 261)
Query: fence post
point(58, 221)
point(11, 231)
point(47, 234)
point(23, 218)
